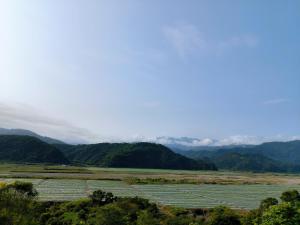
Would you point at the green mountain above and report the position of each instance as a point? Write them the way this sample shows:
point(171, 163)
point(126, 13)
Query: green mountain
point(248, 162)
point(267, 157)
point(288, 152)
point(135, 155)
point(26, 149)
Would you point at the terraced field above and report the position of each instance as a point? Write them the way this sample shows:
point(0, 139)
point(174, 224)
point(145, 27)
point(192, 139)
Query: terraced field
point(181, 195)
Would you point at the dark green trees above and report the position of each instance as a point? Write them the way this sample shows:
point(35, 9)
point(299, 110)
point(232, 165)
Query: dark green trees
point(223, 216)
point(102, 198)
point(26, 149)
point(133, 155)
point(266, 203)
point(291, 196)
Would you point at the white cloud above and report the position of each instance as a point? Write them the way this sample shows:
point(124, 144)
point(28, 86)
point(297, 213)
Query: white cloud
point(276, 101)
point(187, 39)
point(186, 141)
point(241, 139)
point(26, 117)
point(253, 140)
point(232, 140)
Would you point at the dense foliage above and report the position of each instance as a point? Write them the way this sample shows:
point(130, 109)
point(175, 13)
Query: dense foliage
point(18, 206)
point(135, 155)
point(26, 149)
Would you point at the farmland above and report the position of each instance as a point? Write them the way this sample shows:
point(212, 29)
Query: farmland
point(188, 189)
point(181, 195)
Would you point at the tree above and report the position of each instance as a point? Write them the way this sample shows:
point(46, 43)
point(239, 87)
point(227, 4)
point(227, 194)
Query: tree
point(282, 214)
point(291, 196)
point(146, 218)
point(222, 215)
point(24, 188)
point(109, 215)
point(266, 203)
point(102, 198)
point(252, 217)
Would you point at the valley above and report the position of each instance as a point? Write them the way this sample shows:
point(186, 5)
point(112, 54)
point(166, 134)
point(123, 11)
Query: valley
point(179, 188)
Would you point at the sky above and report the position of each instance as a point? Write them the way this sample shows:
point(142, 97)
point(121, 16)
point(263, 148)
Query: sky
point(124, 70)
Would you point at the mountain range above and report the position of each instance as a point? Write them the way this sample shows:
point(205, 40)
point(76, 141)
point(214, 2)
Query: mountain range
point(266, 157)
point(32, 148)
point(18, 145)
point(134, 155)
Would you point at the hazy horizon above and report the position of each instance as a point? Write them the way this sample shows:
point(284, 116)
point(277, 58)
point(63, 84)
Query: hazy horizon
point(138, 70)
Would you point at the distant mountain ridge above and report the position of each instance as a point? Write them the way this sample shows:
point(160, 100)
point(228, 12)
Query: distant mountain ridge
point(252, 162)
point(266, 157)
point(23, 132)
point(288, 152)
point(135, 155)
point(188, 143)
point(18, 145)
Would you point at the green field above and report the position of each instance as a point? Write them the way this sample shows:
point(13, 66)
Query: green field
point(189, 189)
point(181, 195)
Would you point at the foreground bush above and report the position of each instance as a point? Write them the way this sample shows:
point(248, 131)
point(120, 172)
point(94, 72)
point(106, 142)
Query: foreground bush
point(18, 206)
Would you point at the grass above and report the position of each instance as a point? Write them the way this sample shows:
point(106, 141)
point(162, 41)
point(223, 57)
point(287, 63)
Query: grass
point(144, 176)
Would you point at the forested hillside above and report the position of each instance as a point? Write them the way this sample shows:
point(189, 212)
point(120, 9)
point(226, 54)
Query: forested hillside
point(252, 162)
point(267, 157)
point(26, 149)
point(136, 155)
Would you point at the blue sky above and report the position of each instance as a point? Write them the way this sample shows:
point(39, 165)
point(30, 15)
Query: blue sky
point(137, 69)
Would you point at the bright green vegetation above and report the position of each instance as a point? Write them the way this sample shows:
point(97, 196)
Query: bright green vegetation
point(18, 206)
point(267, 157)
point(179, 195)
point(26, 149)
point(135, 155)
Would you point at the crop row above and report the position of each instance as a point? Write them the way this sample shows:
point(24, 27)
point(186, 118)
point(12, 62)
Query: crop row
point(181, 195)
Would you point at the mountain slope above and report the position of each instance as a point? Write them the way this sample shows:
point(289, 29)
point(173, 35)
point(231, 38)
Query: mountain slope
point(22, 132)
point(137, 155)
point(26, 149)
point(248, 162)
point(271, 157)
point(288, 152)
